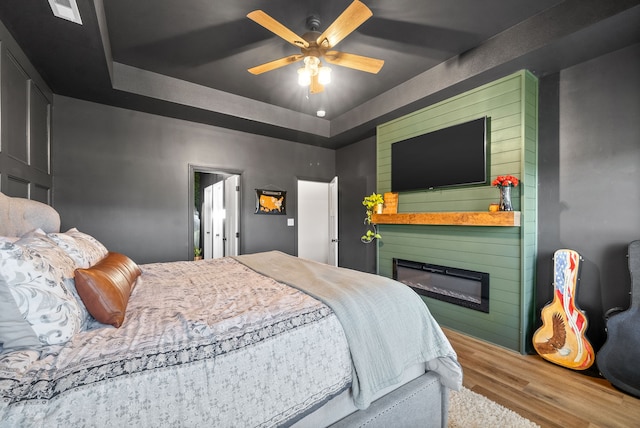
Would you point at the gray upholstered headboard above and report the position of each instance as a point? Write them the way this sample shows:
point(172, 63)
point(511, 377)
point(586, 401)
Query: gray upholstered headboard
point(18, 216)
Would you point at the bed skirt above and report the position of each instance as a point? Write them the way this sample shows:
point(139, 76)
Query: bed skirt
point(423, 402)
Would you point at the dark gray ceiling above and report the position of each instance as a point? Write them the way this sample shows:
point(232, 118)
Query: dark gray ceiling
point(189, 58)
point(213, 43)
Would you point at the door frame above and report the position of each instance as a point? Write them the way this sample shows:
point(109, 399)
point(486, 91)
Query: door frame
point(207, 169)
point(334, 233)
point(232, 205)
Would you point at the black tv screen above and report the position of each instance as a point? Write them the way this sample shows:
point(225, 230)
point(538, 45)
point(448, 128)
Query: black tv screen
point(452, 156)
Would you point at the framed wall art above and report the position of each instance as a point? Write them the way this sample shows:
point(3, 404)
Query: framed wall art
point(273, 202)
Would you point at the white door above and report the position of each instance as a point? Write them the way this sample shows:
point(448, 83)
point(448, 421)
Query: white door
point(317, 221)
point(232, 208)
point(333, 222)
point(218, 220)
point(207, 222)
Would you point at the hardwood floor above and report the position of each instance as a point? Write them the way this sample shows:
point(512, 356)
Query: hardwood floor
point(547, 394)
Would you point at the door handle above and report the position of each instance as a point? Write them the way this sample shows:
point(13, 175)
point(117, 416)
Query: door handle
point(335, 240)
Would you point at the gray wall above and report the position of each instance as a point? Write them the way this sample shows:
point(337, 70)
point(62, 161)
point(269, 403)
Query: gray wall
point(589, 172)
point(123, 176)
point(356, 169)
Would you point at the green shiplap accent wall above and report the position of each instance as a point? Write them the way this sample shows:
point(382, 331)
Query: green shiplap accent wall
point(506, 253)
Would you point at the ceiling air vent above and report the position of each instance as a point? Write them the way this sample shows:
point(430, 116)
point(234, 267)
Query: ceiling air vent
point(66, 9)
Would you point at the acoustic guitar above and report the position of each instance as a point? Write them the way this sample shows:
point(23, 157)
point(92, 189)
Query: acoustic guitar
point(619, 357)
point(561, 338)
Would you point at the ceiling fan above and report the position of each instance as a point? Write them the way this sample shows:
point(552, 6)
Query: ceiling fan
point(315, 46)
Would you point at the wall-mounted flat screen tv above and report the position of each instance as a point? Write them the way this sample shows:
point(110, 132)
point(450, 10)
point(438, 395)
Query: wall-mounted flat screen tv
point(453, 156)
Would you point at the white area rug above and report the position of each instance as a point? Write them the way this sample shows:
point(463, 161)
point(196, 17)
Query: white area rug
point(470, 410)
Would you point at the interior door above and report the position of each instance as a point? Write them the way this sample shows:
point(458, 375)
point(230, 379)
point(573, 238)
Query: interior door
point(333, 222)
point(207, 221)
point(218, 220)
point(232, 209)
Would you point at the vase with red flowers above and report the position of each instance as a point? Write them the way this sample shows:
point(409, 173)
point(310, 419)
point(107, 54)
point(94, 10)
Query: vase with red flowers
point(504, 183)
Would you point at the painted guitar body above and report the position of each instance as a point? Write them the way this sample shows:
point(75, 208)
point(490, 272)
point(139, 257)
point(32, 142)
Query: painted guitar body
point(561, 338)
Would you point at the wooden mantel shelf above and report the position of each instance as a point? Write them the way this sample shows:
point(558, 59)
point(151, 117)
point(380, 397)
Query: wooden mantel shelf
point(462, 218)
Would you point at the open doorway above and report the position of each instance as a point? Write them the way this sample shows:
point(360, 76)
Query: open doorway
point(318, 221)
point(214, 212)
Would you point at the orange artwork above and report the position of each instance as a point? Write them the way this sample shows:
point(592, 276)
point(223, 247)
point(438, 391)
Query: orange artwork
point(270, 201)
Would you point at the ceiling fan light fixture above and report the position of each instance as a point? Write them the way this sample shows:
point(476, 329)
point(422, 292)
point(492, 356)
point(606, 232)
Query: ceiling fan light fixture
point(306, 74)
point(324, 75)
point(311, 63)
point(304, 77)
point(312, 68)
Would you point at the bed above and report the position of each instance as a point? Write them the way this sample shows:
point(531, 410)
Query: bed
point(89, 338)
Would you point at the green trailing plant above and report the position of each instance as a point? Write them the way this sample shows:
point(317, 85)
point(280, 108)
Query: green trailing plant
point(371, 202)
point(370, 235)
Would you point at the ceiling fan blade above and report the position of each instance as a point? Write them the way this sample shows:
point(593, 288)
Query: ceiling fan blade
point(277, 28)
point(357, 62)
point(315, 87)
point(272, 65)
point(352, 17)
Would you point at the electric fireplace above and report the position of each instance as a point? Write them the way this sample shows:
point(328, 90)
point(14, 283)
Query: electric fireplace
point(462, 287)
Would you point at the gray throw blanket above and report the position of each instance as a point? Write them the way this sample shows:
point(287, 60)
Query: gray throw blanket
point(387, 325)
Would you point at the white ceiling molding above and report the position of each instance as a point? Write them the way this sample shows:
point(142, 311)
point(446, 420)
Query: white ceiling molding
point(166, 88)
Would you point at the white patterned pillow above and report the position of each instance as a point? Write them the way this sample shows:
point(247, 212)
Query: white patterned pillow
point(38, 275)
point(84, 249)
point(15, 332)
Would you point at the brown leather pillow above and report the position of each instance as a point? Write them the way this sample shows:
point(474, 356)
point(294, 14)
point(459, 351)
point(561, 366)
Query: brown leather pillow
point(105, 287)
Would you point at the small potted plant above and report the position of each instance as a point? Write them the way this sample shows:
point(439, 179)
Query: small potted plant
point(373, 202)
point(197, 254)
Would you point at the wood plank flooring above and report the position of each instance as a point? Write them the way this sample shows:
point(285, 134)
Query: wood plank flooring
point(547, 394)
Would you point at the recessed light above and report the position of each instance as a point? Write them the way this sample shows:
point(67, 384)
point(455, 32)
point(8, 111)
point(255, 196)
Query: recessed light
point(321, 113)
point(66, 9)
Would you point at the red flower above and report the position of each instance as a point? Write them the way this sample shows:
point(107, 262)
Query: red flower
point(505, 180)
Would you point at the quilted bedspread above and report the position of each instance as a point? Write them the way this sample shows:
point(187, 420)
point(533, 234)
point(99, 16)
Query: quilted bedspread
point(208, 343)
point(387, 325)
